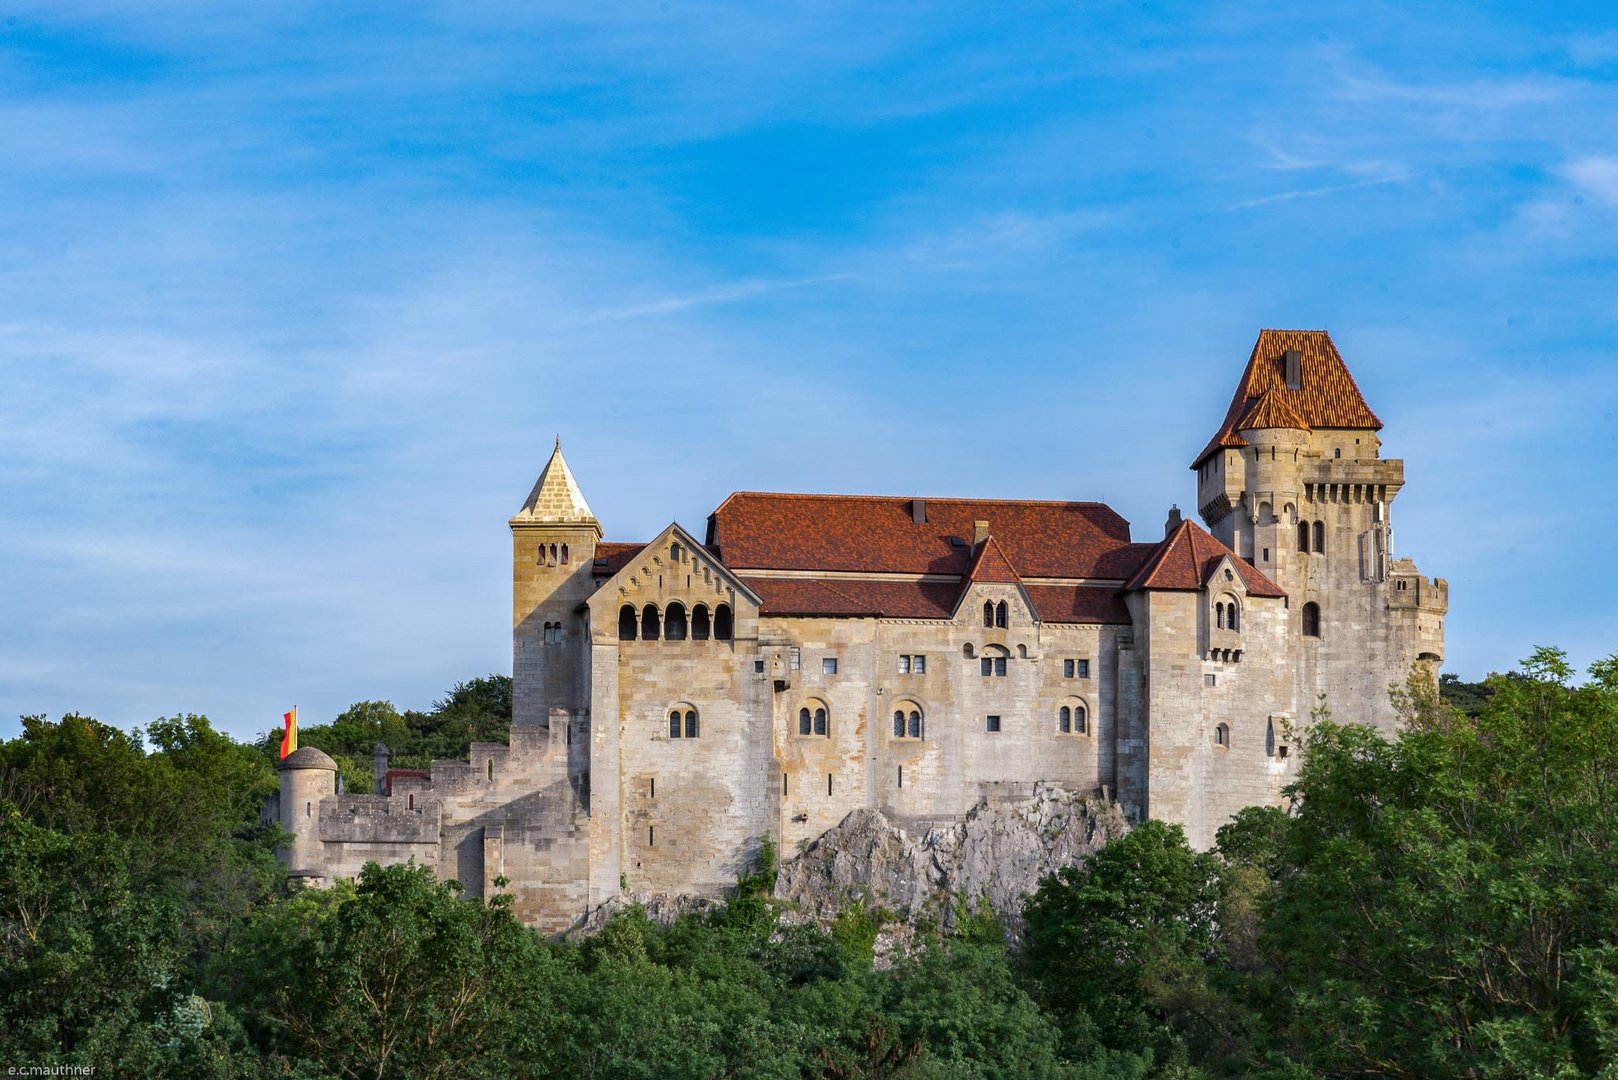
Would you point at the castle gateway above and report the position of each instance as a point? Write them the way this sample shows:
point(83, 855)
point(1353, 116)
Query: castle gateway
point(677, 699)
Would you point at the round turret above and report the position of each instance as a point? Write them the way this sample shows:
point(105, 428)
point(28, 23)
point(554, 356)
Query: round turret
point(308, 757)
point(308, 775)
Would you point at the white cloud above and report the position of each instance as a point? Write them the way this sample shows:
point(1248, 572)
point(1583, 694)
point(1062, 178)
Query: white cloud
point(1596, 177)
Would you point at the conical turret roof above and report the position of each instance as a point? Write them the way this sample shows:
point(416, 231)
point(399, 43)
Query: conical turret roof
point(556, 497)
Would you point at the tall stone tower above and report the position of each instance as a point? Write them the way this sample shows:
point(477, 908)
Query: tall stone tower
point(1294, 481)
point(553, 545)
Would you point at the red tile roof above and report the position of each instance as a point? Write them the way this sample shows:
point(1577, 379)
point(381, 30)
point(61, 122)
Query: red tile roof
point(844, 596)
point(1271, 410)
point(1327, 398)
point(991, 564)
point(1187, 558)
point(1078, 604)
point(872, 534)
point(612, 557)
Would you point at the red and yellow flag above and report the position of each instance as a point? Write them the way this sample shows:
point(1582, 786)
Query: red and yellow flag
point(289, 741)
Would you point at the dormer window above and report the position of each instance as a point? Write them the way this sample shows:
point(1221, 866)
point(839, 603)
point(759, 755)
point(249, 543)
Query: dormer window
point(1292, 369)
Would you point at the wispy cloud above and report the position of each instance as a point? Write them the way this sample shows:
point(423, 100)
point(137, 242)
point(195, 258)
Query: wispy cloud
point(1314, 193)
point(1596, 177)
point(724, 295)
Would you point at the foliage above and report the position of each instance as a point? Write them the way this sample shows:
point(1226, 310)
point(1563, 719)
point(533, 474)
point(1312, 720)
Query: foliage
point(1438, 904)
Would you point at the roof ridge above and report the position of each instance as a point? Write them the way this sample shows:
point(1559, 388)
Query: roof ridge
point(909, 498)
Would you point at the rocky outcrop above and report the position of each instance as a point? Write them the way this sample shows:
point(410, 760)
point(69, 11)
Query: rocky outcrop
point(664, 908)
point(998, 852)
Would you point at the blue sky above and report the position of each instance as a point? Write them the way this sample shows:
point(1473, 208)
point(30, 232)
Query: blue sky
point(296, 296)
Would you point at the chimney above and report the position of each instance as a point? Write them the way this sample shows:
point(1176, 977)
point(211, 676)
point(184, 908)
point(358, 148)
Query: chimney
point(1173, 522)
point(918, 511)
point(1292, 368)
point(980, 532)
point(380, 757)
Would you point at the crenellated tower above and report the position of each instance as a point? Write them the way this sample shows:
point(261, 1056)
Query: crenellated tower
point(1294, 481)
point(553, 546)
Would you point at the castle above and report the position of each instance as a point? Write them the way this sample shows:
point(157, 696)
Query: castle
point(675, 700)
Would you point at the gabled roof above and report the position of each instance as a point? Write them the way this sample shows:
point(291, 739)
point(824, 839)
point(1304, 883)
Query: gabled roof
point(1327, 397)
point(991, 564)
point(1188, 557)
point(851, 597)
point(873, 534)
point(556, 498)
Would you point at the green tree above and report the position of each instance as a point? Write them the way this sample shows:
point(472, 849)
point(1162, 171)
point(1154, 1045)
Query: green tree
point(1444, 902)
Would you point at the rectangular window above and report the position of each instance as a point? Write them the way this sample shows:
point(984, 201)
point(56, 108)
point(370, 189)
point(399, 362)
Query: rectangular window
point(986, 666)
point(828, 666)
point(994, 723)
point(1209, 680)
point(1069, 667)
point(901, 777)
point(654, 787)
point(758, 667)
point(795, 659)
point(828, 783)
point(1084, 669)
point(999, 665)
point(783, 783)
point(904, 665)
point(918, 664)
point(651, 836)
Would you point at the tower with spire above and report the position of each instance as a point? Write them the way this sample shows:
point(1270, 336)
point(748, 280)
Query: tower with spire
point(553, 546)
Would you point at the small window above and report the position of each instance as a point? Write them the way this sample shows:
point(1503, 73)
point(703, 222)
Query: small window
point(758, 667)
point(993, 722)
point(1081, 720)
point(988, 613)
point(904, 665)
point(648, 623)
point(626, 622)
point(674, 724)
point(1070, 668)
point(691, 724)
point(1210, 679)
point(803, 721)
point(1084, 669)
point(794, 659)
point(674, 622)
point(1311, 619)
point(828, 784)
point(701, 627)
point(1000, 614)
point(828, 665)
point(721, 623)
point(1222, 736)
point(999, 665)
point(564, 554)
point(1303, 536)
point(651, 836)
point(907, 721)
point(1064, 720)
point(1337, 453)
point(820, 721)
point(1320, 538)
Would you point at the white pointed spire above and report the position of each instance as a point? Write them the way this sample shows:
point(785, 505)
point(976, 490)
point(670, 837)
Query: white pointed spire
point(556, 497)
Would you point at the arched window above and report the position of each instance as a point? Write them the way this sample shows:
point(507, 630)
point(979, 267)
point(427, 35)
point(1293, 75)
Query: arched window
point(967, 650)
point(674, 553)
point(993, 661)
point(1269, 739)
point(907, 720)
point(1219, 615)
point(1311, 619)
point(812, 719)
point(1081, 720)
point(1000, 614)
point(1303, 536)
point(674, 622)
point(1064, 720)
point(1320, 537)
point(699, 623)
point(721, 623)
point(648, 623)
point(626, 623)
point(491, 770)
point(1222, 735)
point(553, 554)
point(988, 613)
point(564, 554)
point(683, 722)
point(1232, 617)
